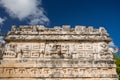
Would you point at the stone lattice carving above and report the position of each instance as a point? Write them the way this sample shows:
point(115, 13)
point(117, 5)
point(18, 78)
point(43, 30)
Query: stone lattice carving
point(40, 53)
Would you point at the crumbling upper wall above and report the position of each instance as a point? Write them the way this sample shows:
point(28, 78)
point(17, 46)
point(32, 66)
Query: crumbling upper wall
point(41, 32)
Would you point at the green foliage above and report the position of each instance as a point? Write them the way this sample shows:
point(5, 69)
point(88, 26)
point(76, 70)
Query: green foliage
point(115, 55)
point(117, 61)
point(118, 71)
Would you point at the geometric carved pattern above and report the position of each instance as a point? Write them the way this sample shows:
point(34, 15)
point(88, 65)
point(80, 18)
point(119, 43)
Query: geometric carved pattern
point(39, 53)
point(57, 72)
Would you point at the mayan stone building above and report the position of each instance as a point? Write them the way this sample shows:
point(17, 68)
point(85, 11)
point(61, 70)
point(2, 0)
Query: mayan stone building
point(59, 53)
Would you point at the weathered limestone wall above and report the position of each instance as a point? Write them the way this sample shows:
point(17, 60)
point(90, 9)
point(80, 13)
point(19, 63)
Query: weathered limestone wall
point(57, 49)
point(39, 53)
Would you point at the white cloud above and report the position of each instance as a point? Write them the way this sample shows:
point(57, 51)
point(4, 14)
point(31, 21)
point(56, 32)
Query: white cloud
point(113, 48)
point(2, 39)
point(2, 20)
point(112, 45)
point(26, 9)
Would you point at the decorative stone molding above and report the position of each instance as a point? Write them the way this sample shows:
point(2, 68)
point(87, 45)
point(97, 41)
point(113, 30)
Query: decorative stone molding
point(59, 53)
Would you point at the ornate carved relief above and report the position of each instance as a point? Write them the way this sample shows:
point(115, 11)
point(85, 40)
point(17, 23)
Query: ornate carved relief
point(56, 72)
point(39, 53)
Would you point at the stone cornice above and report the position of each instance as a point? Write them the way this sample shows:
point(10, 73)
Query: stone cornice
point(39, 33)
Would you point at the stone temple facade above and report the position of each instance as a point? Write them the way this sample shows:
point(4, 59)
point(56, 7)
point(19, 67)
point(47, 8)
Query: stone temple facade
point(59, 53)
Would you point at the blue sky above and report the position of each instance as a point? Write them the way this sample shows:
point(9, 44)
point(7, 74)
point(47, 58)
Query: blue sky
point(95, 13)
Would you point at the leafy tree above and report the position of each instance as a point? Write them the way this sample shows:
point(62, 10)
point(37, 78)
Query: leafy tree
point(117, 61)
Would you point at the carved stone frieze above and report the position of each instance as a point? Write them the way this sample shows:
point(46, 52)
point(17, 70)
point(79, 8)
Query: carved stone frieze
point(59, 53)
